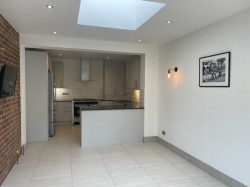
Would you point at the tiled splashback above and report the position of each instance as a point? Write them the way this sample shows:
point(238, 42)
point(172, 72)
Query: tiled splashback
point(63, 94)
point(136, 96)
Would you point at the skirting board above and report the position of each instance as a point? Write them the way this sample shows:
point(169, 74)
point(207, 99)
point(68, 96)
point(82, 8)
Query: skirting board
point(208, 169)
point(150, 139)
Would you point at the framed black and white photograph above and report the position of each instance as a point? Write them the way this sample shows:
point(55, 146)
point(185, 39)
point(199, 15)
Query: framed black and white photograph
point(215, 70)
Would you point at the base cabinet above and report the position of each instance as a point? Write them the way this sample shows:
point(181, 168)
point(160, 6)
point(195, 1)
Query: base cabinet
point(63, 111)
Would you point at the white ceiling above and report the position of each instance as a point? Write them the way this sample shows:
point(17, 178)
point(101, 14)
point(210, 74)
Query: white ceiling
point(32, 17)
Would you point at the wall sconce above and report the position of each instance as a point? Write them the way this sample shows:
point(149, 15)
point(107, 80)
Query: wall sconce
point(169, 70)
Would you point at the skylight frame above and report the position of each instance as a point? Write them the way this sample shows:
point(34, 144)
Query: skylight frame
point(117, 14)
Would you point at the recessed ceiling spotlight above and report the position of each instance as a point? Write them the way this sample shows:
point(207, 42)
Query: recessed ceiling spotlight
point(54, 32)
point(107, 57)
point(60, 54)
point(49, 6)
point(169, 21)
point(139, 40)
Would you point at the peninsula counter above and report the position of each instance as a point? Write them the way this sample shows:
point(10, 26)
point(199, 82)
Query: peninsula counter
point(109, 125)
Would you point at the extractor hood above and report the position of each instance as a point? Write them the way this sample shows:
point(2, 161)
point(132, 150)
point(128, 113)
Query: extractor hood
point(84, 70)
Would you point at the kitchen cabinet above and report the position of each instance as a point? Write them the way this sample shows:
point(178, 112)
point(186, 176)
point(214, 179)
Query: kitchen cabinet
point(58, 74)
point(36, 81)
point(133, 73)
point(63, 111)
point(114, 79)
point(96, 71)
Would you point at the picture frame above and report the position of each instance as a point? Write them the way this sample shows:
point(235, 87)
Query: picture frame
point(214, 70)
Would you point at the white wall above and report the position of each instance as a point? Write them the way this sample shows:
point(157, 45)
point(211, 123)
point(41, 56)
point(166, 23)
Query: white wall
point(151, 62)
point(212, 124)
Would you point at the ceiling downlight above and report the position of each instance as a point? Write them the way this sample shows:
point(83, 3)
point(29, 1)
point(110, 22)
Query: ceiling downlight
point(49, 6)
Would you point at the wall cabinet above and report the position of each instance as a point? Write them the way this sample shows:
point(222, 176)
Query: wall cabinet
point(58, 74)
point(133, 73)
point(114, 79)
point(63, 111)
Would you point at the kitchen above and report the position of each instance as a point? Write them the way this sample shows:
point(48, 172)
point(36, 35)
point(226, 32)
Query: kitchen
point(94, 80)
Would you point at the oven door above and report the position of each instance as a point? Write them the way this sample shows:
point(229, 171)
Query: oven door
point(77, 113)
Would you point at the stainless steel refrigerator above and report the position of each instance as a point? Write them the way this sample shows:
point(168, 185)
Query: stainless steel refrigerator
point(51, 107)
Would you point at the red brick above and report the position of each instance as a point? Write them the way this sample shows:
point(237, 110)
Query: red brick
point(10, 116)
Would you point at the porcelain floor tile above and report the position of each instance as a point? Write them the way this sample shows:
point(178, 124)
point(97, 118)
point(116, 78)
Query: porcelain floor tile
point(20, 184)
point(171, 157)
point(132, 177)
point(149, 159)
point(112, 154)
point(22, 171)
point(52, 182)
point(180, 183)
point(190, 170)
point(84, 156)
point(209, 181)
point(16, 181)
point(52, 159)
point(120, 163)
point(165, 173)
point(28, 160)
point(157, 147)
point(62, 162)
point(78, 149)
point(79, 166)
point(93, 179)
point(50, 171)
point(135, 149)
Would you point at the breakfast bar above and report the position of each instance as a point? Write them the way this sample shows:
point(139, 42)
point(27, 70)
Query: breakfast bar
point(112, 124)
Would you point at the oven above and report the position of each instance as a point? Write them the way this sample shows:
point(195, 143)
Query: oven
point(76, 108)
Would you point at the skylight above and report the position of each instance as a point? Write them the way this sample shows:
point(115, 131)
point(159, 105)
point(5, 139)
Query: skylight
point(118, 14)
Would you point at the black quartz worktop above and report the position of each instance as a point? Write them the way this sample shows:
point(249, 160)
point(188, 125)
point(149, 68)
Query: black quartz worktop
point(116, 106)
point(63, 100)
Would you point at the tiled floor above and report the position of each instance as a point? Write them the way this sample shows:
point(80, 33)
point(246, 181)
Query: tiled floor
point(61, 162)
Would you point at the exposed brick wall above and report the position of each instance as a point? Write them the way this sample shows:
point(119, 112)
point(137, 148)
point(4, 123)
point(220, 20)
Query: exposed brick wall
point(10, 112)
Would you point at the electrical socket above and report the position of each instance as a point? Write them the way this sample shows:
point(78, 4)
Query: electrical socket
point(163, 132)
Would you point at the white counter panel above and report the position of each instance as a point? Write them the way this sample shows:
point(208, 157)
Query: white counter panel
point(108, 127)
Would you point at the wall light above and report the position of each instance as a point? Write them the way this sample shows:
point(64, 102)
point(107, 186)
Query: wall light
point(169, 70)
